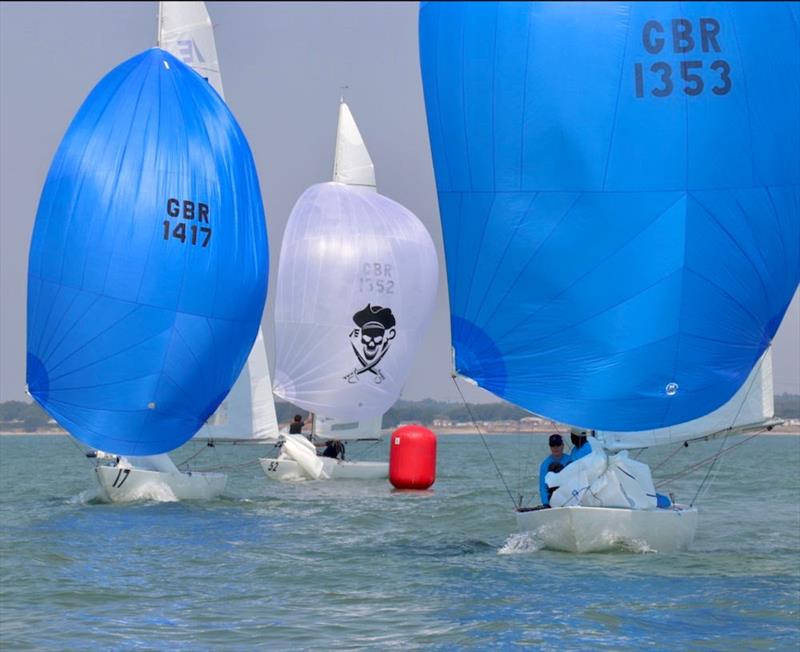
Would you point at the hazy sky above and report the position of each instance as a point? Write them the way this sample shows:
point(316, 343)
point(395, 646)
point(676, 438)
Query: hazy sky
point(283, 66)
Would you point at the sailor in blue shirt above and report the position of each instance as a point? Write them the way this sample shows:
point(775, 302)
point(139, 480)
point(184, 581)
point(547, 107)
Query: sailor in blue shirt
point(580, 446)
point(556, 458)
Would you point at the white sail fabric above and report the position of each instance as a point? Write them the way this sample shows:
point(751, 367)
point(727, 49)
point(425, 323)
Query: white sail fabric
point(751, 407)
point(601, 480)
point(326, 427)
point(356, 285)
point(352, 164)
point(248, 412)
point(185, 31)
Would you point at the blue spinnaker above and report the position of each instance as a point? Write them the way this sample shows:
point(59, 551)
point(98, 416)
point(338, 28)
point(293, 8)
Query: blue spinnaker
point(619, 189)
point(148, 265)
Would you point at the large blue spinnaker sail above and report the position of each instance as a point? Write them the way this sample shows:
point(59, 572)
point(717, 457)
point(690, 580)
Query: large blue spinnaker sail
point(148, 265)
point(619, 189)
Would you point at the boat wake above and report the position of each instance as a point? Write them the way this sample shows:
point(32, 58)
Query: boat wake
point(520, 543)
point(153, 492)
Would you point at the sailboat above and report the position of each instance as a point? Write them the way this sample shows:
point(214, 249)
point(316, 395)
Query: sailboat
point(618, 190)
point(247, 415)
point(147, 272)
point(356, 285)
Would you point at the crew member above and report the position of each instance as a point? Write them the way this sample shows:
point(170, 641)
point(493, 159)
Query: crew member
point(557, 457)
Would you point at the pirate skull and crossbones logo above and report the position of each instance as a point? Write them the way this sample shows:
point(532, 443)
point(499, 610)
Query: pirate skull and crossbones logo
point(374, 332)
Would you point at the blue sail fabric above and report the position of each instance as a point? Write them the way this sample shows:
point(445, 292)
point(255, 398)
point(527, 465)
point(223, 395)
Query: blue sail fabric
point(619, 193)
point(148, 264)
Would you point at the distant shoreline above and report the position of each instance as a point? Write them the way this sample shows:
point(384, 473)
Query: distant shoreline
point(780, 431)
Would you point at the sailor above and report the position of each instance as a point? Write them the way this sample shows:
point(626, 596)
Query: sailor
point(557, 457)
point(334, 448)
point(296, 426)
point(580, 445)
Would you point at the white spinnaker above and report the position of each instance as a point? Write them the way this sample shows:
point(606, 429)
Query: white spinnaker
point(326, 427)
point(352, 163)
point(751, 407)
point(248, 412)
point(348, 251)
point(185, 31)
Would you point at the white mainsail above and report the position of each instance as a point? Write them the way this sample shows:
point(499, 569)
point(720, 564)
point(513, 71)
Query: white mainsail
point(752, 407)
point(248, 412)
point(185, 30)
point(352, 163)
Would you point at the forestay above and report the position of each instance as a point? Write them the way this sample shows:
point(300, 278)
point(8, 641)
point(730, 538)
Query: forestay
point(619, 189)
point(148, 263)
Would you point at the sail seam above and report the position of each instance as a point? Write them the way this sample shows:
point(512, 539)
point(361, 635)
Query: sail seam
point(616, 103)
point(588, 272)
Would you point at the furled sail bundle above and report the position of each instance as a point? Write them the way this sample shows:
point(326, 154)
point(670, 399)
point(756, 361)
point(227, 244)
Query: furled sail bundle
point(356, 285)
point(619, 189)
point(148, 264)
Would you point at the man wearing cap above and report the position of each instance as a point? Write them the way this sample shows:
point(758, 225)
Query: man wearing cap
point(580, 446)
point(554, 462)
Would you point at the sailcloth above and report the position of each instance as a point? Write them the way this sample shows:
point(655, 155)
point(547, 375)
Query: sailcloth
point(356, 284)
point(185, 30)
point(751, 407)
point(352, 163)
point(148, 264)
point(619, 190)
point(248, 412)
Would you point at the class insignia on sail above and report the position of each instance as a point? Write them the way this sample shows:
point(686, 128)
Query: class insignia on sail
point(619, 190)
point(148, 263)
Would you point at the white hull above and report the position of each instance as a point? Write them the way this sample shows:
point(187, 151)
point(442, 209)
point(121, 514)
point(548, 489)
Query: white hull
point(125, 484)
point(599, 529)
point(286, 469)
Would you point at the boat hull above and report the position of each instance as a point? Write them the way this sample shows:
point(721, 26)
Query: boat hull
point(599, 529)
point(126, 485)
point(287, 469)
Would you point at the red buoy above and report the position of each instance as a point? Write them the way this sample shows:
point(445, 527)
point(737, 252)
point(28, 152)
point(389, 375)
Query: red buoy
point(412, 458)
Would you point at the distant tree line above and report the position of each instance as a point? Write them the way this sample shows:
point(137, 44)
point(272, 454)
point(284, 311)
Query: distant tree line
point(426, 411)
point(19, 415)
point(23, 416)
point(787, 406)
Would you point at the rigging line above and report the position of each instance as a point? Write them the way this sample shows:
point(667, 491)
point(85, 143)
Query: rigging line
point(230, 467)
point(668, 457)
point(483, 439)
point(689, 469)
point(710, 469)
point(191, 457)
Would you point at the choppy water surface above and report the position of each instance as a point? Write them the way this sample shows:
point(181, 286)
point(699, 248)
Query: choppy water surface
point(349, 565)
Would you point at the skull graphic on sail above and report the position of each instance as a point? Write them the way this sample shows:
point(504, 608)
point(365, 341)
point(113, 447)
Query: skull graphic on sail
point(374, 332)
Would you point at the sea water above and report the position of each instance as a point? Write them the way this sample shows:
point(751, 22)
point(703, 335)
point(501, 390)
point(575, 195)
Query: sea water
point(356, 565)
